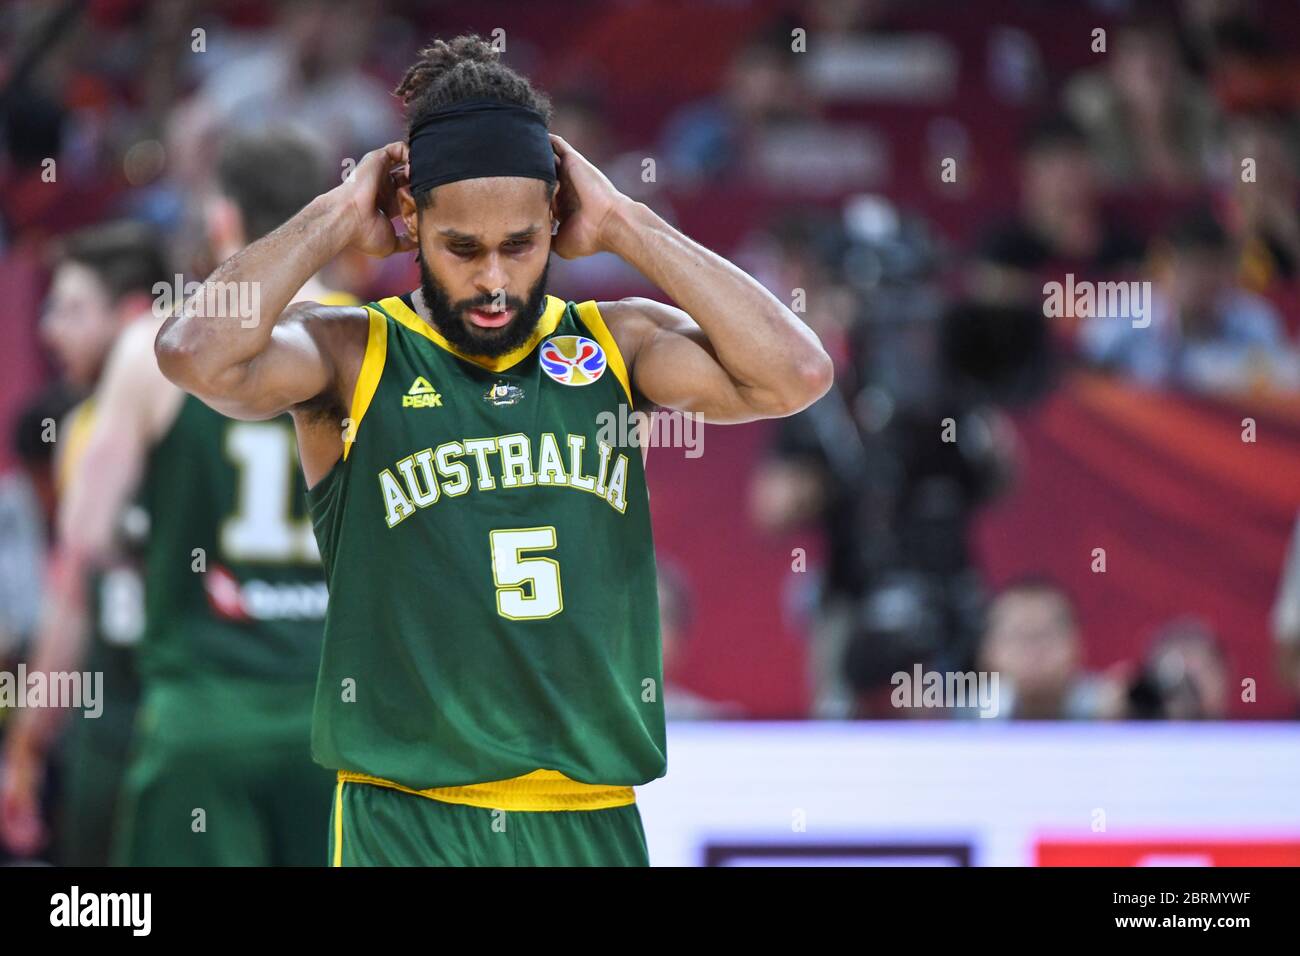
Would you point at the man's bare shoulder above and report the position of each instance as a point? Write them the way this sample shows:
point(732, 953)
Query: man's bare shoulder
point(636, 321)
point(340, 325)
point(636, 316)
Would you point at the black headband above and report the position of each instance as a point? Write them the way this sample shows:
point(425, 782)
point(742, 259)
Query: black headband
point(480, 138)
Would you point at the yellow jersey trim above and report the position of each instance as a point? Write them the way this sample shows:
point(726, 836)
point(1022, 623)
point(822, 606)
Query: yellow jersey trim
point(549, 321)
point(372, 367)
point(339, 298)
point(338, 825)
point(78, 428)
point(590, 315)
point(537, 791)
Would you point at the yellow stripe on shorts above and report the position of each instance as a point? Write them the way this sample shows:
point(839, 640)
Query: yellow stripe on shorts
point(338, 824)
point(540, 790)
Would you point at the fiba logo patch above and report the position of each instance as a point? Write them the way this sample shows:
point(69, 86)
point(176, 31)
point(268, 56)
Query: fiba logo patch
point(572, 359)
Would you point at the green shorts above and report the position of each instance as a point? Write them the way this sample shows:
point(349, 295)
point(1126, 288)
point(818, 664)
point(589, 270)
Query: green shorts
point(379, 826)
point(94, 758)
point(95, 761)
point(221, 775)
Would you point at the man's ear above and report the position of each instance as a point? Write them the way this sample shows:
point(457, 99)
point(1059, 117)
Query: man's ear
point(410, 212)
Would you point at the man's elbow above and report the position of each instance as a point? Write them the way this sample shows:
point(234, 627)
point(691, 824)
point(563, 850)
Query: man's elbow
point(189, 367)
point(817, 374)
point(176, 357)
point(810, 377)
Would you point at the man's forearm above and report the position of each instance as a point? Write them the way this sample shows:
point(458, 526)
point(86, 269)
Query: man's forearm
point(276, 267)
point(60, 645)
point(756, 338)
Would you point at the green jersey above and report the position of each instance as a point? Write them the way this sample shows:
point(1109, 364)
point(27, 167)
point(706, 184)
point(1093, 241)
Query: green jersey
point(114, 595)
point(234, 584)
point(486, 537)
point(95, 749)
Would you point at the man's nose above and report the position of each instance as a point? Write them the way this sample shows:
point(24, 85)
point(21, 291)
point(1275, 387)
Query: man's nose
point(492, 277)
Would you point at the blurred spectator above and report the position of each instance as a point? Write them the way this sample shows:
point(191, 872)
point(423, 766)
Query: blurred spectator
point(581, 119)
point(761, 90)
point(1263, 209)
point(1149, 123)
point(1060, 228)
point(1286, 621)
point(1184, 676)
point(1240, 53)
point(681, 703)
point(27, 502)
point(1205, 332)
point(1203, 25)
point(306, 74)
point(859, 50)
point(31, 132)
point(1032, 642)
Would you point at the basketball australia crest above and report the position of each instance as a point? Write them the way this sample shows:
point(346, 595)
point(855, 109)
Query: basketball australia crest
point(572, 359)
point(503, 393)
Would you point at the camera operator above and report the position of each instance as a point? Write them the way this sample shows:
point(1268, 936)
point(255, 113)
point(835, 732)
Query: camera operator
point(895, 461)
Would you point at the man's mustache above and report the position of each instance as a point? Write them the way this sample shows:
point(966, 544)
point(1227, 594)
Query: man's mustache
point(481, 302)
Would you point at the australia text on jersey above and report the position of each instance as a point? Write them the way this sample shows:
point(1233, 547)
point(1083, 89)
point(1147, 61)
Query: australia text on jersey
point(432, 474)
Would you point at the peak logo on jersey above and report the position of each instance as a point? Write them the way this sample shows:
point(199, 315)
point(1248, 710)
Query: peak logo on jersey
point(503, 393)
point(572, 359)
point(421, 395)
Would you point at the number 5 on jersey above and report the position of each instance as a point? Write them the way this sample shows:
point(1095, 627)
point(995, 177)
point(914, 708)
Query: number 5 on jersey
point(528, 588)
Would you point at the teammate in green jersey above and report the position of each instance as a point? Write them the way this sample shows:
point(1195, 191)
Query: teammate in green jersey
point(103, 282)
point(490, 690)
point(220, 770)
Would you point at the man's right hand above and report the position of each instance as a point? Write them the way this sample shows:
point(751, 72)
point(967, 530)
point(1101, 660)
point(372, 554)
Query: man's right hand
point(371, 194)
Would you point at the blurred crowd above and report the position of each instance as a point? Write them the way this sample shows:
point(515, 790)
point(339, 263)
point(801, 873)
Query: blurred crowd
point(1163, 174)
point(909, 176)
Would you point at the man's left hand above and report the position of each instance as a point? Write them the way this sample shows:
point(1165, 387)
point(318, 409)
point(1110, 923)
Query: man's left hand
point(584, 203)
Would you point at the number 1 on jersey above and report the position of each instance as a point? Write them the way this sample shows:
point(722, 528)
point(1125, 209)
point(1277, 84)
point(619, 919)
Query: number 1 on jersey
point(528, 588)
point(262, 527)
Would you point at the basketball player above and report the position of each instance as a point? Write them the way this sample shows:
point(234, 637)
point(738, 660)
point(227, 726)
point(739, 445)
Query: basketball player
point(491, 684)
point(220, 770)
point(91, 616)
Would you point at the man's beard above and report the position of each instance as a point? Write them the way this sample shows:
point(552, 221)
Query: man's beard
point(450, 318)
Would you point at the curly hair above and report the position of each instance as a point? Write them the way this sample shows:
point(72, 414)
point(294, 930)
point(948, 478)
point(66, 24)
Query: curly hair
point(465, 68)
